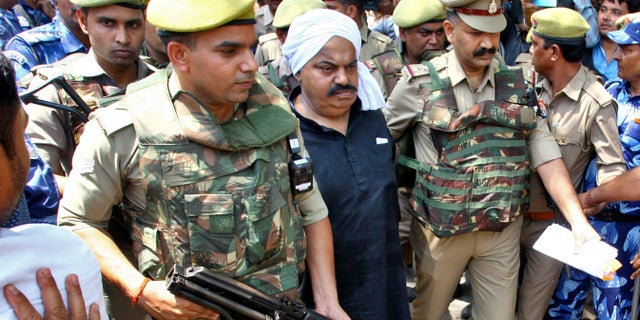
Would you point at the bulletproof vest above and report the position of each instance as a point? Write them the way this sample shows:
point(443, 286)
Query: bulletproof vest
point(480, 181)
point(389, 64)
point(218, 195)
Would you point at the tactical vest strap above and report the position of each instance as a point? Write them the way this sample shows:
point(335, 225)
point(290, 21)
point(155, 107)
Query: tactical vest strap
point(436, 83)
point(273, 76)
point(389, 63)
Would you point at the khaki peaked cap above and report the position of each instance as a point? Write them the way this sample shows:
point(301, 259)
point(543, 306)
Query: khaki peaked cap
point(289, 9)
point(560, 24)
point(185, 16)
point(411, 13)
point(482, 15)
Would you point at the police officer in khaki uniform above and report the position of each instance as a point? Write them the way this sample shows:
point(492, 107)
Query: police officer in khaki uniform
point(198, 158)
point(422, 37)
point(278, 71)
point(582, 118)
point(472, 79)
point(111, 64)
point(421, 29)
point(269, 46)
point(373, 42)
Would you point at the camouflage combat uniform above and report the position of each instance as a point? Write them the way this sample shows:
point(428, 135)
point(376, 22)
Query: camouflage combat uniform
point(196, 192)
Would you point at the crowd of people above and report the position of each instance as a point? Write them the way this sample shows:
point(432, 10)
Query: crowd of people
point(321, 152)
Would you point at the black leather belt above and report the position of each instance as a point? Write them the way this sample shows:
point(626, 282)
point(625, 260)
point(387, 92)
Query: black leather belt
point(615, 216)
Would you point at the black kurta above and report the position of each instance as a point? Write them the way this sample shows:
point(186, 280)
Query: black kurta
point(356, 176)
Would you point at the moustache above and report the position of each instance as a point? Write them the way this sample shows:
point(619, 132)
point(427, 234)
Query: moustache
point(481, 51)
point(340, 87)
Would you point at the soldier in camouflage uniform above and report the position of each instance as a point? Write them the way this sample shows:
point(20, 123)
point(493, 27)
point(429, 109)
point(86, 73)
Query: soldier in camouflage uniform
point(475, 142)
point(278, 71)
point(198, 159)
point(373, 42)
point(110, 65)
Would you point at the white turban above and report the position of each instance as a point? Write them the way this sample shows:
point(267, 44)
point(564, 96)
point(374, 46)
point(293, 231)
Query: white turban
point(310, 32)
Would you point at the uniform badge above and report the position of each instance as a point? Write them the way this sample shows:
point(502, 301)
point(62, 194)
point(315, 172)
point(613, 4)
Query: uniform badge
point(493, 7)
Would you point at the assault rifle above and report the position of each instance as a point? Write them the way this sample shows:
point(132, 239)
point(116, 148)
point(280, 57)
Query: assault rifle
point(231, 299)
point(83, 110)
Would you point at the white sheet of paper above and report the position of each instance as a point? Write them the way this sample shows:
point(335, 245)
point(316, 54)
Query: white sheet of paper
point(557, 242)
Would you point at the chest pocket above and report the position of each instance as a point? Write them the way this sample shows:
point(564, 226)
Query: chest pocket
point(231, 211)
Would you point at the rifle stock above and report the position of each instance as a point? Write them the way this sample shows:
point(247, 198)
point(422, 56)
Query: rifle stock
point(233, 299)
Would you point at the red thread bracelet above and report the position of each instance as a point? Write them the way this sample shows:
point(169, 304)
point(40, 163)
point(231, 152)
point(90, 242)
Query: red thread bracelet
point(135, 298)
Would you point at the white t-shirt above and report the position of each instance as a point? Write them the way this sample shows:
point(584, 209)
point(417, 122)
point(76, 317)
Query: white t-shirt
point(27, 248)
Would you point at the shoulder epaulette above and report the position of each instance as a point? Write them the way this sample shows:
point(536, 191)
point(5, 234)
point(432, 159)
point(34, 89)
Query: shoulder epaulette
point(268, 37)
point(47, 71)
point(380, 37)
point(523, 58)
point(411, 71)
point(370, 64)
point(596, 90)
point(112, 119)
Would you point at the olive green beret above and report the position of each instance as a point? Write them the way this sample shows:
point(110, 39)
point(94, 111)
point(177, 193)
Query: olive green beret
point(624, 20)
point(482, 15)
point(99, 3)
point(560, 24)
point(289, 9)
point(410, 13)
point(198, 15)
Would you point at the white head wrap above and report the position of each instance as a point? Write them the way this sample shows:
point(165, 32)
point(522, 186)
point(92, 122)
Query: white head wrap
point(310, 32)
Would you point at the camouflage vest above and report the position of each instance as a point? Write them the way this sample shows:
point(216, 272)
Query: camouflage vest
point(481, 180)
point(388, 65)
point(219, 196)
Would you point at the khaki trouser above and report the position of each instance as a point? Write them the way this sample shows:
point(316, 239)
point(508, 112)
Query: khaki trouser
point(492, 259)
point(541, 273)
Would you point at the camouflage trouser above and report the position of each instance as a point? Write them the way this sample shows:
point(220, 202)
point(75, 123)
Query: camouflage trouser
point(611, 299)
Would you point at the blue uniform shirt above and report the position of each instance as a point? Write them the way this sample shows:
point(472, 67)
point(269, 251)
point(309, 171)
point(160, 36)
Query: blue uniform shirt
point(36, 17)
point(629, 131)
point(609, 70)
point(41, 190)
point(9, 26)
point(42, 45)
point(39, 201)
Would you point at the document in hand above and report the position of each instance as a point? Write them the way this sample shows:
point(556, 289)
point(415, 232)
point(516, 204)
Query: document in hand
point(596, 257)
